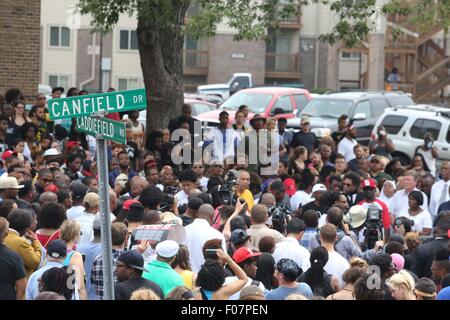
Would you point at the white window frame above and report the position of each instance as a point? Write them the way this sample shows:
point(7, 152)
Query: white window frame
point(354, 56)
point(129, 50)
point(128, 78)
point(59, 75)
point(59, 47)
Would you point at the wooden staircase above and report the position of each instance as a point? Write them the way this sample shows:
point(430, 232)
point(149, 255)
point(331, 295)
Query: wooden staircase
point(423, 66)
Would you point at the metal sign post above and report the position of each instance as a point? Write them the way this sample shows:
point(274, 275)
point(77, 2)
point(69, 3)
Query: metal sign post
point(90, 110)
point(108, 276)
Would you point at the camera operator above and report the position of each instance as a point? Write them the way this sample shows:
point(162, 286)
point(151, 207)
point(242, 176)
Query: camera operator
point(242, 189)
point(278, 189)
point(344, 244)
point(369, 187)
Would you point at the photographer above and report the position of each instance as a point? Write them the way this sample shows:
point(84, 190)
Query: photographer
point(344, 244)
point(429, 152)
point(369, 189)
point(278, 189)
point(242, 189)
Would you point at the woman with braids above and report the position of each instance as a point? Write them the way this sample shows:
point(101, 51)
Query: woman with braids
point(60, 281)
point(322, 284)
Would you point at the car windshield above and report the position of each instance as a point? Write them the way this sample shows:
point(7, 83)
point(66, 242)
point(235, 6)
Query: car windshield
point(327, 108)
point(257, 102)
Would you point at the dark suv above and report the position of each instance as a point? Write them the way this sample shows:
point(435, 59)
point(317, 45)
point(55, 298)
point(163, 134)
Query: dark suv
point(363, 107)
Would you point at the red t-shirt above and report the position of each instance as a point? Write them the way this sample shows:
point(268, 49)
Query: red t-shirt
point(385, 217)
point(45, 240)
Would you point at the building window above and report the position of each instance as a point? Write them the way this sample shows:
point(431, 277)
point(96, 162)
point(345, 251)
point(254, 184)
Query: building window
point(59, 37)
point(128, 40)
point(58, 81)
point(128, 83)
point(350, 55)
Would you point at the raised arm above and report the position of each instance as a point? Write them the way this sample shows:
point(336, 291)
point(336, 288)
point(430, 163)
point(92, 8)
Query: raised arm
point(227, 291)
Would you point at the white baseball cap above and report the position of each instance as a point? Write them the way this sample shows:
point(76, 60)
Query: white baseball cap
point(51, 152)
point(319, 187)
point(167, 249)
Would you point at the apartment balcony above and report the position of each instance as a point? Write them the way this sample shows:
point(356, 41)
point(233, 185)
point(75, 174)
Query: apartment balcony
point(293, 22)
point(283, 65)
point(195, 62)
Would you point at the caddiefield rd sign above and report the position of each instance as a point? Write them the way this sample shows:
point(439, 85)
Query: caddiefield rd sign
point(102, 128)
point(76, 106)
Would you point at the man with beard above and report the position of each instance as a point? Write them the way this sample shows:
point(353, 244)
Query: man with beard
point(37, 116)
point(124, 167)
point(345, 147)
point(186, 116)
point(350, 187)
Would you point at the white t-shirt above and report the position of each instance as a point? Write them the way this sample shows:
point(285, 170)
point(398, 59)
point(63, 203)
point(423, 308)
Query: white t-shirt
point(422, 220)
point(336, 266)
point(429, 160)
point(345, 147)
point(182, 197)
point(290, 248)
point(322, 220)
point(204, 183)
point(74, 212)
point(300, 198)
point(235, 296)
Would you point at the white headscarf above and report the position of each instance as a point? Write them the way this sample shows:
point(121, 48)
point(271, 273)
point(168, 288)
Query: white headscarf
point(383, 196)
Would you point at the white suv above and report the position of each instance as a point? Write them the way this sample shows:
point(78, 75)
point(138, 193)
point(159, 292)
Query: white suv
point(406, 127)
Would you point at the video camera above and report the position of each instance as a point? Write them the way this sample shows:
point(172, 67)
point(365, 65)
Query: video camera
point(168, 199)
point(226, 191)
point(374, 226)
point(279, 214)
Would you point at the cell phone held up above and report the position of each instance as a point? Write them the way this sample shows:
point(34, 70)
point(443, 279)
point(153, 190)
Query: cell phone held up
point(211, 254)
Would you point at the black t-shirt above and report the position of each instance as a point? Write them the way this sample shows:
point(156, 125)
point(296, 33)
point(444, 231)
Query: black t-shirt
point(312, 206)
point(186, 220)
point(11, 270)
point(124, 290)
point(308, 140)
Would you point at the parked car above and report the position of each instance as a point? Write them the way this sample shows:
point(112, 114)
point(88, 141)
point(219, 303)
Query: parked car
point(237, 82)
point(198, 107)
point(267, 101)
point(406, 127)
point(363, 107)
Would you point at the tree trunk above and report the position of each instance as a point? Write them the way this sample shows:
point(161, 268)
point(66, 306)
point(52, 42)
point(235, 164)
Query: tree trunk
point(161, 52)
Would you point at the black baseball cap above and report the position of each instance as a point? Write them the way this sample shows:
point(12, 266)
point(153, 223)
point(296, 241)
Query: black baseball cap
point(239, 236)
point(132, 259)
point(57, 249)
point(79, 190)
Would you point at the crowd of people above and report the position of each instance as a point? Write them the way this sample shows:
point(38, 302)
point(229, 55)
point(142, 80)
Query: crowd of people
point(337, 220)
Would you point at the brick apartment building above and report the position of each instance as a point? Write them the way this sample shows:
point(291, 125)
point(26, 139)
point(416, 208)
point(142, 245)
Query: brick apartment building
point(20, 46)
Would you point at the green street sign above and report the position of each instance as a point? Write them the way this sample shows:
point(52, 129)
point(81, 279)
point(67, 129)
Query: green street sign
point(118, 101)
point(103, 128)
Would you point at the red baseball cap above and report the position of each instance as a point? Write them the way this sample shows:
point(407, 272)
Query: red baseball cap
point(127, 204)
point(290, 187)
point(72, 144)
point(7, 154)
point(51, 188)
point(244, 253)
point(369, 183)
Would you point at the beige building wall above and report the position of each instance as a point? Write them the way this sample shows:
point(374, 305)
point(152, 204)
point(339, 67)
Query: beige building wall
point(60, 61)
